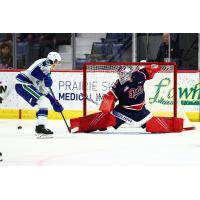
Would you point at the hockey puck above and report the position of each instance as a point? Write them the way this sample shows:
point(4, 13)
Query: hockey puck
point(19, 127)
point(1, 159)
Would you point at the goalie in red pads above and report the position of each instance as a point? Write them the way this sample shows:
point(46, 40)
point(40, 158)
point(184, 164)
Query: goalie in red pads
point(128, 90)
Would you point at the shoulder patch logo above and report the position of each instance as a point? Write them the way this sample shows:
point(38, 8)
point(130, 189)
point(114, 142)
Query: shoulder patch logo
point(126, 88)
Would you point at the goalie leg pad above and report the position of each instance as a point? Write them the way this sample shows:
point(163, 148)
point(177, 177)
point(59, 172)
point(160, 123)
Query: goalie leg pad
point(97, 121)
point(164, 125)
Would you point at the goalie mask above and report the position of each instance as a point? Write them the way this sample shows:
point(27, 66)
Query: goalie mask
point(124, 74)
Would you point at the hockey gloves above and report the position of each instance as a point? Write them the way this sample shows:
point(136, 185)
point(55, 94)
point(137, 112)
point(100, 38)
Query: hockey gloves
point(151, 70)
point(48, 81)
point(56, 105)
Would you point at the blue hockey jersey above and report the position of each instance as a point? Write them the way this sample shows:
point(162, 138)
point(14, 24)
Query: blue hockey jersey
point(131, 94)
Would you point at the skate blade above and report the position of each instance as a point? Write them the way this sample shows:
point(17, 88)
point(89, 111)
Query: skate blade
point(43, 136)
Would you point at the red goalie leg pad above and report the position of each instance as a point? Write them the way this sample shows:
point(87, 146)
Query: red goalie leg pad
point(93, 122)
point(164, 125)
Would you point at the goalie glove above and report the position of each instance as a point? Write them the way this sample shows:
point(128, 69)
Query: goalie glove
point(151, 70)
point(108, 102)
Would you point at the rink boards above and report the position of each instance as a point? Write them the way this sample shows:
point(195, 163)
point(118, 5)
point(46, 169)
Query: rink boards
point(67, 87)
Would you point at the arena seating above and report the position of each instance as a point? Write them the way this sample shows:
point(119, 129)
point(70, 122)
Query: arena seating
point(111, 48)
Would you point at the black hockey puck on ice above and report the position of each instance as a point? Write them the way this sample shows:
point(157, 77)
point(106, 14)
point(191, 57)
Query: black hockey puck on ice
point(19, 127)
point(1, 159)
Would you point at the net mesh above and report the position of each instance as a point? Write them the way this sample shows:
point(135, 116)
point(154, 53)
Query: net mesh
point(114, 67)
point(160, 92)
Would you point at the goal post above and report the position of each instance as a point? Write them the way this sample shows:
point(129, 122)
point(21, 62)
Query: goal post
point(161, 92)
point(107, 71)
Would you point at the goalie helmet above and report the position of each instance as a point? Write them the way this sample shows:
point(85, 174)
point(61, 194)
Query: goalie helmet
point(53, 56)
point(124, 74)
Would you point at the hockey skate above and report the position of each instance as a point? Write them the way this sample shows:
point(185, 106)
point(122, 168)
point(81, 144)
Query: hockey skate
point(42, 133)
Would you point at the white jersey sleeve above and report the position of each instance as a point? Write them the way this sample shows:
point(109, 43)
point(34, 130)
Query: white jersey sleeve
point(36, 74)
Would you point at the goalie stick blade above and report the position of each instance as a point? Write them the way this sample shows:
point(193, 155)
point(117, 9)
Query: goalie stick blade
point(189, 128)
point(75, 130)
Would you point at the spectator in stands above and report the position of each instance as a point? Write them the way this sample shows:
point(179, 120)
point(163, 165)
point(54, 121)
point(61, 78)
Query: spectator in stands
point(6, 56)
point(5, 37)
point(163, 52)
point(27, 37)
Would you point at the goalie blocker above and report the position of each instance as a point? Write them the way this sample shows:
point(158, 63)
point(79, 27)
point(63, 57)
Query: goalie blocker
point(101, 120)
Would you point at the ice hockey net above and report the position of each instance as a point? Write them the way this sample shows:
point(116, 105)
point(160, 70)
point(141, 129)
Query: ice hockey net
point(161, 95)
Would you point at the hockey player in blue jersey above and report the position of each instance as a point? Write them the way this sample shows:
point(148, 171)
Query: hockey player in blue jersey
point(33, 86)
point(128, 91)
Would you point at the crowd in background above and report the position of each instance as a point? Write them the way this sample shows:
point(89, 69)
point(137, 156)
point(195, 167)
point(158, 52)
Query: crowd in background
point(6, 58)
point(32, 46)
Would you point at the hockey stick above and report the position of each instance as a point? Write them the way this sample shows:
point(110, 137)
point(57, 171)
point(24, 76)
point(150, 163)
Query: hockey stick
point(119, 115)
point(61, 111)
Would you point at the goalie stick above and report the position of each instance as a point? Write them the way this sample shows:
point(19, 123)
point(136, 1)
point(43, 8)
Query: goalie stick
point(130, 121)
point(124, 118)
point(61, 111)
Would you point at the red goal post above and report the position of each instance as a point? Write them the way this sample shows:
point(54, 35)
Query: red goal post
point(92, 70)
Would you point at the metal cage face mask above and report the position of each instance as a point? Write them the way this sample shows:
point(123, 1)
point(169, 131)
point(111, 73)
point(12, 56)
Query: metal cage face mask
point(124, 74)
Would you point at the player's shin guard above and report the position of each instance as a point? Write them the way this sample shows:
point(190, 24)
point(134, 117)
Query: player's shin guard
point(41, 116)
point(97, 121)
point(42, 113)
point(164, 125)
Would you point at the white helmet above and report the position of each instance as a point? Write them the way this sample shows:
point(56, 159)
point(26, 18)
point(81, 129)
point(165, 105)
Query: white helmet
point(124, 74)
point(53, 56)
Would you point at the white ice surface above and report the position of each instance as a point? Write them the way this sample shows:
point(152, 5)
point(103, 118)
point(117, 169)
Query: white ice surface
point(124, 147)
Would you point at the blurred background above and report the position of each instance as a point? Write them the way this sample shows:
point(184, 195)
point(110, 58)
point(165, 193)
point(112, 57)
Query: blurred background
point(20, 50)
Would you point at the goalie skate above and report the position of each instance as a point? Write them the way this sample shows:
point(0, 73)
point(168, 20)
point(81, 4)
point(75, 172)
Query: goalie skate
point(42, 133)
